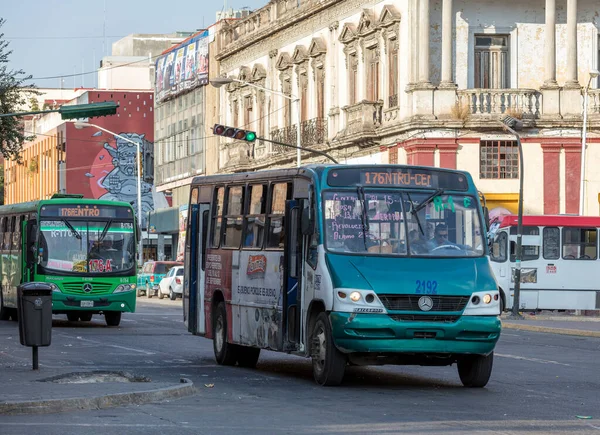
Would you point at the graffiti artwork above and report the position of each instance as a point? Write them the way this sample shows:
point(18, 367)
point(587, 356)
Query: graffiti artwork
point(116, 179)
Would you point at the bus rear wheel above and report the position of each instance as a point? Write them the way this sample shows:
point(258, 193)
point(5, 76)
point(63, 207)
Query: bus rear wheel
point(225, 353)
point(72, 317)
point(113, 318)
point(329, 364)
point(475, 370)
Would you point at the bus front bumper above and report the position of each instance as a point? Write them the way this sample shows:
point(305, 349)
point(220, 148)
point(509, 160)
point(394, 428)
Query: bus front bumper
point(378, 333)
point(123, 301)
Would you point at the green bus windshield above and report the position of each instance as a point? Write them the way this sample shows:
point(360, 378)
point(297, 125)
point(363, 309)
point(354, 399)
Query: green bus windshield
point(82, 247)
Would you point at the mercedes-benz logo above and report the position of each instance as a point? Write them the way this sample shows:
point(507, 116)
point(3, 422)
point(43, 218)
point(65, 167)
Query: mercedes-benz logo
point(425, 303)
point(88, 288)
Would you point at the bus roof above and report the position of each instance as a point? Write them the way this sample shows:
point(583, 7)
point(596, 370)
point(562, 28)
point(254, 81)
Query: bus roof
point(552, 221)
point(32, 206)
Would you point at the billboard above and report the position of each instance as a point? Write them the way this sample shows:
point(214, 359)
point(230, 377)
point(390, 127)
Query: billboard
point(182, 69)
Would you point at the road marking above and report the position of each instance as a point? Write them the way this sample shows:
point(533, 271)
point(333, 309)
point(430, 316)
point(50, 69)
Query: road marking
point(116, 346)
point(537, 360)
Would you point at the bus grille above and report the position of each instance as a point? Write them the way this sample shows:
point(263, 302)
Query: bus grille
point(411, 302)
point(77, 288)
point(424, 318)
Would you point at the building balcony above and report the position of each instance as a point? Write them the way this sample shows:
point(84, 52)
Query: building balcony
point(482, 103)
point(313, 133)
point(362, 121)
point(594, 102)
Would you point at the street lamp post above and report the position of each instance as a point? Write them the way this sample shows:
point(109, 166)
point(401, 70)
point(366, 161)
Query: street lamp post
point(80, 125)
point(511, 124)
point(221, 81)
point(593, 75)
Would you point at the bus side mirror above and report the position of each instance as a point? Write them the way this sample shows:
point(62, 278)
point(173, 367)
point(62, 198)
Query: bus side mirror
point(308, 224)
point(486, 217)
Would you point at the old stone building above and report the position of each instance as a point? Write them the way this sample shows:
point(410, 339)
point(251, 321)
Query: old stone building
point(422, 82)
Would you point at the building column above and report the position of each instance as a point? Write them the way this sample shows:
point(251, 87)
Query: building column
point(448, 153)
point(424, 42)
point(447, 44)
point(551, 178)
point(550, 47)
point(420, 152)
point(572, 176)
point(572, 80)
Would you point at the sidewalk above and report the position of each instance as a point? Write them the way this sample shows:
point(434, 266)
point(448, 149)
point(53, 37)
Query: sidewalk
point(564, 324)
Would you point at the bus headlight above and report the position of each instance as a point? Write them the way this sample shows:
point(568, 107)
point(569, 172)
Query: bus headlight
point(54, 287)
point(483, 304)
point(124, 288)
point(357, 301)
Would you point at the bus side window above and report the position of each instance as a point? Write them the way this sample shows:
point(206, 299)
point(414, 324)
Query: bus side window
point(579, 244)
point(551, 243)
point(276, 233)
point(254, 221)
point(232, 236)
point(217, 213)
point(499, 248)
point(2, 231)
point(13, 233)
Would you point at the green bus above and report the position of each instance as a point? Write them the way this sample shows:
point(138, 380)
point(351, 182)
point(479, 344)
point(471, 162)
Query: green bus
point(343, 264)
point(84, 248)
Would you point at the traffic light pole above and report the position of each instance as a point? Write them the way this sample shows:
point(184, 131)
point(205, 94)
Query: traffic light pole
point(299, 148)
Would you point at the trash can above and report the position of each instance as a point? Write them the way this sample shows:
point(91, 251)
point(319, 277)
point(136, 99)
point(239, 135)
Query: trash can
point(34, 305)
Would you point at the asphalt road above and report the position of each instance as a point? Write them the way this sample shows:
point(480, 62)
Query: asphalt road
point(541, 383)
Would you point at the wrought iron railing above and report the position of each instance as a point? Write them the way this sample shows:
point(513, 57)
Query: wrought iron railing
point(313, 132)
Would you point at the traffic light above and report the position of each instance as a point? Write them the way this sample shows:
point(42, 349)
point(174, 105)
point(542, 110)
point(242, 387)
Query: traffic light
point(234, 133)
point(78, 111)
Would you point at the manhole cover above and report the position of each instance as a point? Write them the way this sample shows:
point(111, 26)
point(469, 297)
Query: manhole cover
point(96, 377)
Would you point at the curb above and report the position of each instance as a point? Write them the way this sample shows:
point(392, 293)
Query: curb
point(186, 388)
point(562, 331)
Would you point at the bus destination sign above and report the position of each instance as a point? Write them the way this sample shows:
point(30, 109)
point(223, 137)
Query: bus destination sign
point(86, 211)
point(418, 178)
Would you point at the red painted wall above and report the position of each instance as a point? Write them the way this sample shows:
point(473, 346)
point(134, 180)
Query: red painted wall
point(91, 169)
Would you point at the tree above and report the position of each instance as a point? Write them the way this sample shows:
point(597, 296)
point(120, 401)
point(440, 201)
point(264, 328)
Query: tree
point(13, 97)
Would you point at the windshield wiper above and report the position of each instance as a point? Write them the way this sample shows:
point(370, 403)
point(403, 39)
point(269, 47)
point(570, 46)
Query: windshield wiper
point(428, 200)
point(364, 217)
point(72, 228)
point(104, 231)
point(414, 211)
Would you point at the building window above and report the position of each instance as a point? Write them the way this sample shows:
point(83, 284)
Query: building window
point(373, 74)
point(247, 111)
point(393, 155)
point(352, 79)
point(393, 73)
point(579, 244)
point(498, 159)
point(303, 98)
point(286, 86)
point(491, 62)
point(320, 85)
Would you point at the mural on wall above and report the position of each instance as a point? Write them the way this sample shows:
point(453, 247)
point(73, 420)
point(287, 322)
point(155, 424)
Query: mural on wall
point(114, 176)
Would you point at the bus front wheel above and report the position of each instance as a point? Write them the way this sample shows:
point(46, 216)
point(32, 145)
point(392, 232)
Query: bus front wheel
point(475, 370)
point(225, 353)
point(329, 364)
point(113, 318)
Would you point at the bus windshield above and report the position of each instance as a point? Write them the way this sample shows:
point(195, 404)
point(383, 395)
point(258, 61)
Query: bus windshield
point(86, 247)
point(394, 222)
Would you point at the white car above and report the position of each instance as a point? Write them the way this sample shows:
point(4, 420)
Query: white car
point(171, 284)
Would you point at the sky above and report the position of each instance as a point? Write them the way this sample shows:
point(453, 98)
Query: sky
point(65, 37)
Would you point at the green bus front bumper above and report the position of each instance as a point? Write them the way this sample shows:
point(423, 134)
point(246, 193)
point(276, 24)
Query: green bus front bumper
point(122, 301)
point(378, 333)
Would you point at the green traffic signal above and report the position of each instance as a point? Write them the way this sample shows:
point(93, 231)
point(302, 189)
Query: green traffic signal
point(78, 111)
point(250, 136)
point(234, 133)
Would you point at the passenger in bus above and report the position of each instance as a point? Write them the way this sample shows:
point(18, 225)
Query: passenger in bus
point(416, 243)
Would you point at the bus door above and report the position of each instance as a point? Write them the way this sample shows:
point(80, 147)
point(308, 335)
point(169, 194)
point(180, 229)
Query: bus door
point(29, 232)
point(293, 271)
point(195, 259)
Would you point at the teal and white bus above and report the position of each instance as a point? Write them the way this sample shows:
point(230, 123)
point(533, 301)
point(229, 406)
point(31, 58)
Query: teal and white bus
point(345, 264)
point(84, 248)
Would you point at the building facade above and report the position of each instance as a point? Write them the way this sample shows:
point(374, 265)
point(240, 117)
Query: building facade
point(422, 82)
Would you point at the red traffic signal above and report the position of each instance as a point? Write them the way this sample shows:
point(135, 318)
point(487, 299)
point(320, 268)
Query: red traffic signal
point(234, 133)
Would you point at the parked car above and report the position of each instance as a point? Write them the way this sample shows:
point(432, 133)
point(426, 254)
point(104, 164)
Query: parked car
point(171, 284)
point(151, 274)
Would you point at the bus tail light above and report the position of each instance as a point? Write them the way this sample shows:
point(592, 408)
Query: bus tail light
point(152, 278)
